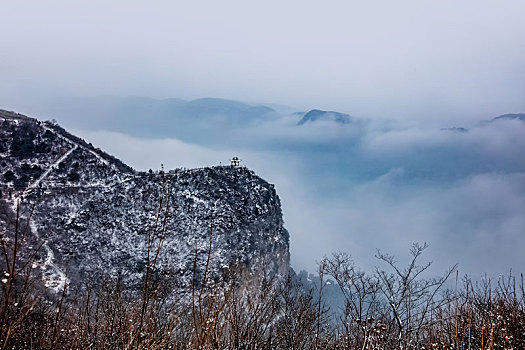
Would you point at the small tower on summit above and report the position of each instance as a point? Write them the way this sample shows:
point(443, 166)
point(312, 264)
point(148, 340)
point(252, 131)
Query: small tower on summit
point(235, 162)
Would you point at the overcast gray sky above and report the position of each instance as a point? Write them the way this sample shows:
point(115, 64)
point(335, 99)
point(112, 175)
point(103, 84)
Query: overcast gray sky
point(404, 59)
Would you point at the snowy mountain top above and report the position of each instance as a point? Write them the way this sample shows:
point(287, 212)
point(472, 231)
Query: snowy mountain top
point(93, 214)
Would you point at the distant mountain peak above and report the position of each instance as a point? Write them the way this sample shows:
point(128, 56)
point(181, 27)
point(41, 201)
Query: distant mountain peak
point(511, 116)
point(320, 115)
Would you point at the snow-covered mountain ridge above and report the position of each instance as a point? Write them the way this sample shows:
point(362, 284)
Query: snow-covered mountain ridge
point(93, 213)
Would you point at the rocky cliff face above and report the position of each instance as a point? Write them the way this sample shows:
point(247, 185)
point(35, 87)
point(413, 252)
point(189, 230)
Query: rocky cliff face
point(95, 214)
